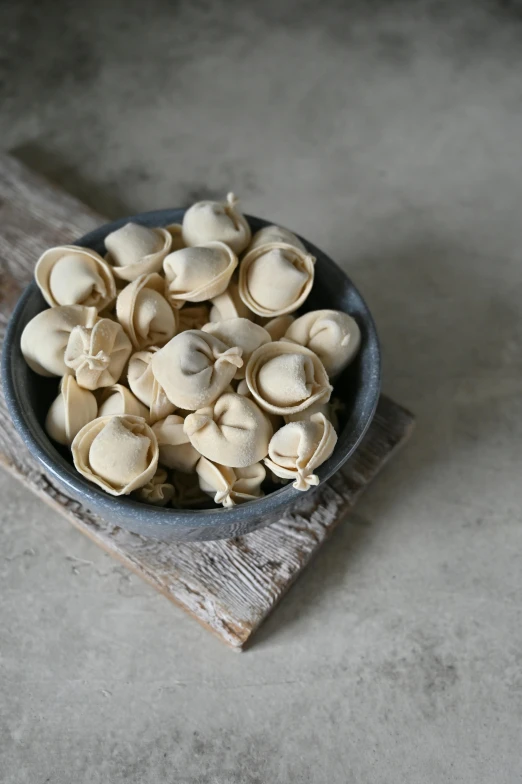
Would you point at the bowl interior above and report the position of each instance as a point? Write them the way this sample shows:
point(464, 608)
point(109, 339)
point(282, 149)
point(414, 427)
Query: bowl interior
point(29, 395)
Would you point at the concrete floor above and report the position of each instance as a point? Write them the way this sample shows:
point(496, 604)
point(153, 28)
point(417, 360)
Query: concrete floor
point(390, 134)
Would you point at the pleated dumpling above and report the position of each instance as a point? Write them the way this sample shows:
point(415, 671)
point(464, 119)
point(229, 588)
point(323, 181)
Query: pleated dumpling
point(98, 354)
point(285, 378)
point(207, 221)
point(193, 317)
point(230, 486)
point(239, 332)
point(229, 305)
point(275, 234)
point(331, 334)
point(275, 279)
point(298, 448)
point(176, 232)
point(199, 273)
point(144, 313)
point(158, 491)
point(70, 275)
point(70, 411)
point(277, 326)
point(145, 386)
point(120, 400)
point(232, 431)
point(175, 449)
point(136, 250)
point(118, 453)
point(45, 337)
point(194, 368)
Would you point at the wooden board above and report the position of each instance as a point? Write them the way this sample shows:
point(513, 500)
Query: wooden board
point(228, 586)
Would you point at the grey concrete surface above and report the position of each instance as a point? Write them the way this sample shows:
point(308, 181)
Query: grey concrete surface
point(390, 134)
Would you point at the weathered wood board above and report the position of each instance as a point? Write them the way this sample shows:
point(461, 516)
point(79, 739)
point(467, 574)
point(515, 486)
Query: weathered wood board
point(228, 586)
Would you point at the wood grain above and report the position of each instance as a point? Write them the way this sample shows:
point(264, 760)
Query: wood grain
point(228, 586)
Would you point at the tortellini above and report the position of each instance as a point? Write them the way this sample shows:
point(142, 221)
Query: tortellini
point(70, 275)
point(331, 334)
point(197, 274)
point(118, 453)
point(275, 234)
point(70, 411)
point(275, 279)
point(120, 400)
point(298, 448)
point(233, 431)
point(175, 449)
point(158, 491)
point(229, 305)
point(206, 221)
point(45, 337)
point(98, 354)
point(285, 378)
point(145, 314)
point(145, 386)
point(230, 486)
point(135, 250)
point(239, 332)
point(194, 368)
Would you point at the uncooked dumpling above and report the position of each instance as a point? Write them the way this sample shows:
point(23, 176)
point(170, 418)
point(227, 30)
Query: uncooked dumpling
point(158, 491)
point(193, 317)
point(118, 453)
point(207, 221)
point(45, 337)
point(275, 234)
point(144, 313)
point(239, 332)
point(331, 334)
point(276, 420)
point(146, 387)
point(70, 275)
point(230, 486)
point(98, 354)
point(232, 431)
point(277, 326)
point(70, 411)
point(285, 378)
point(120, 400)
point(298, 448)
point(194, 368)
point(197, 274)
point(175, 449)
point(229, 305)
point(275, 279)
point(136, 250)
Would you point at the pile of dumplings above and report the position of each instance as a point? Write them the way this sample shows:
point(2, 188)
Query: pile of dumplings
point(184, 374)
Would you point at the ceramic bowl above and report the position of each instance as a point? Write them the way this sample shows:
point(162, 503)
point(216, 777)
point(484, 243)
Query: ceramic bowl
point(28, 397)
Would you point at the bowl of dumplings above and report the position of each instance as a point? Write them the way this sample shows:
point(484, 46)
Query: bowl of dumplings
point(191, 374)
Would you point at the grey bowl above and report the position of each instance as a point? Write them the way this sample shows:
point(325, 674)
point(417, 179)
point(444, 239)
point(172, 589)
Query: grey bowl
point(28, 397)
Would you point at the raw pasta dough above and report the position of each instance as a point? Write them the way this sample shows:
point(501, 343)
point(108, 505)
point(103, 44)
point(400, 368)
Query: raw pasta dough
point(194, 368)
point(275, 234)
point(331, 334)
point(98, 354)
point(239, 332)
point(229, 305)
point(197, 274)
point(230, 486)
point(206, 221)
point(118, 453)
point(144, 313)
point(285, 378)
point(120, 400)
point(275, 279)
point(45, 337)
point(70, 275)
point(300, 447)
point(146, 387)
point(175, 449)
point(136, 250)
point(70, 411)
point(158, 491)
point(233, 431)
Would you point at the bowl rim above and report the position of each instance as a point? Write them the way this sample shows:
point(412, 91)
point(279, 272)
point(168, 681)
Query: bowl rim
point(93, 497)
